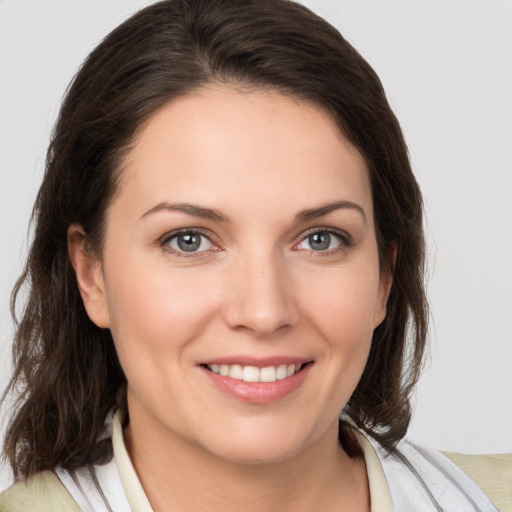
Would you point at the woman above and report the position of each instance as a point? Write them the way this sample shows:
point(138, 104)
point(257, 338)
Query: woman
point(228, 253)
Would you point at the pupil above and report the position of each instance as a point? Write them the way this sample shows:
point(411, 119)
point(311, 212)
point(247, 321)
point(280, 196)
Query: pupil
point(320, 241)
point(189, 243)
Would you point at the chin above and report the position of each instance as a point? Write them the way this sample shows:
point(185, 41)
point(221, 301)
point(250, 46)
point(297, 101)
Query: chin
point(257, 454)
point(259, 445)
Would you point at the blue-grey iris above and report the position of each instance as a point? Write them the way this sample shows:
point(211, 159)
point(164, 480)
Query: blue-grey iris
point(189, 243)
point(320, 241)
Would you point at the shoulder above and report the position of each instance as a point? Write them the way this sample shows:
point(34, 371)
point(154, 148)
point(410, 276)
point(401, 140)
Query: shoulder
point(42, 492)
point(419, 475)
point(492, 473)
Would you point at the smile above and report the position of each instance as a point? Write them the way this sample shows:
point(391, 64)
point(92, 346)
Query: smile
point(253, 373)
point(257, 382)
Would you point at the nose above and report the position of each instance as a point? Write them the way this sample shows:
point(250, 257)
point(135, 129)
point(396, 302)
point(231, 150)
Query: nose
point(259, 299)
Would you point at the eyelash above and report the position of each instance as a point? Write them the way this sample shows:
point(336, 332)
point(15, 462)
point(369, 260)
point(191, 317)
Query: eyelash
point(345, 241)
point(167, 238)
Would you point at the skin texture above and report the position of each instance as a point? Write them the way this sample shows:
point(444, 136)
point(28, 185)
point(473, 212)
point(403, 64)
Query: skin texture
point(255, 288)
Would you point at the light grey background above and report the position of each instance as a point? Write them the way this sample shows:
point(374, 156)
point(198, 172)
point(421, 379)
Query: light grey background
point(447, 68)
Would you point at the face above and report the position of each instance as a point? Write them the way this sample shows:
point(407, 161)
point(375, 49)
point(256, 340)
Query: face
point(239, 274)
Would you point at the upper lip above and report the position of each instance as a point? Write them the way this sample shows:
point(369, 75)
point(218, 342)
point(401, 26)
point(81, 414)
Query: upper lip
point(258, 362)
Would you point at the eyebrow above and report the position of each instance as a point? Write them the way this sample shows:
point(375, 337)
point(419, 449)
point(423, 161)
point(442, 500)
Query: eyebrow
point(215, 215)
point(313, 213)
point(191, 209)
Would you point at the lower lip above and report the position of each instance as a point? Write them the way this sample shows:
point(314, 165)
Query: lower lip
point(258, 392)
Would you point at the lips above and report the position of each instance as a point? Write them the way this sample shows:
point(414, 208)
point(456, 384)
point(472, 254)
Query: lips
point(257, 381)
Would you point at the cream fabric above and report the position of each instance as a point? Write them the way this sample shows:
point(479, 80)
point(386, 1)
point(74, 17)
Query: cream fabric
point(131, 483)
point(379, 491)
point(43, 493)
point(492, 473)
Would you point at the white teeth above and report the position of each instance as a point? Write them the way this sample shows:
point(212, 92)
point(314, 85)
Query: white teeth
point(255, 374)
point(251, 374)
point(282, 372)
point(236, 372)
point(268, 374)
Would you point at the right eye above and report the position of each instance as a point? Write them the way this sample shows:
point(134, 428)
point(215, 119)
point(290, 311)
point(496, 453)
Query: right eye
point(188, 242)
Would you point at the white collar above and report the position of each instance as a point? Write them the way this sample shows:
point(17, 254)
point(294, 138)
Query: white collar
point(131, 483)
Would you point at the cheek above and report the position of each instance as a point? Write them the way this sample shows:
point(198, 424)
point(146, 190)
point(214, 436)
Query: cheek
point(343, 303)
point(341, 308)
point(157, 311)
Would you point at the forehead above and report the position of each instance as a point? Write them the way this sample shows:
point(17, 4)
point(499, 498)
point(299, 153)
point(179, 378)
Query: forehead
point(219, 144)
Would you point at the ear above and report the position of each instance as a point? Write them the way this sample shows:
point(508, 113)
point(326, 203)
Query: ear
point(386, 281)
point(89, 276)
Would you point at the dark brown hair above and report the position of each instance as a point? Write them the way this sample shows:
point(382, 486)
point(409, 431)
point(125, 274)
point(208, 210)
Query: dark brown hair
point(67, 373)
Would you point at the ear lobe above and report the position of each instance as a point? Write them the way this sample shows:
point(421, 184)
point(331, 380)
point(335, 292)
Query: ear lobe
point(89, 276)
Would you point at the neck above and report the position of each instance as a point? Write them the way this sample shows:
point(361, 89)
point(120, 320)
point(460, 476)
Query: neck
point(179, 476)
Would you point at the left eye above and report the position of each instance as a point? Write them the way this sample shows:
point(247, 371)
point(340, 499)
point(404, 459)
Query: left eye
point(189, 241)
point(321, 241)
